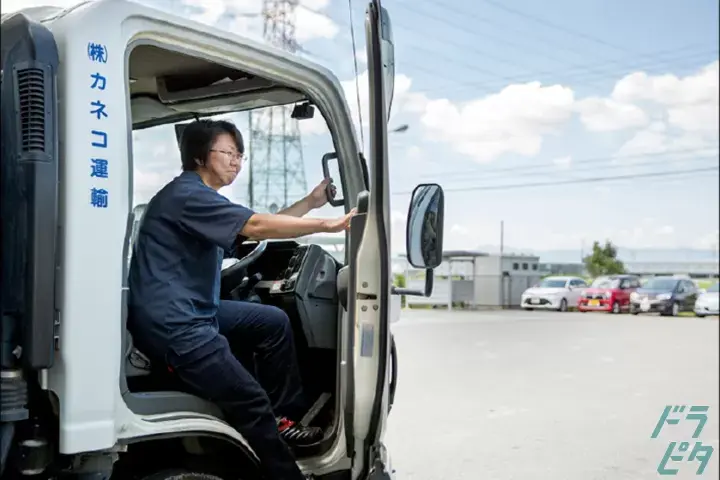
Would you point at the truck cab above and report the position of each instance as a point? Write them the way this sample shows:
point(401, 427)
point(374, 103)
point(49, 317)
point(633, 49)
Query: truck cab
point(79, 85)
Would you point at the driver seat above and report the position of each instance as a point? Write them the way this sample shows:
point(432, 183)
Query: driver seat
point(136, 364)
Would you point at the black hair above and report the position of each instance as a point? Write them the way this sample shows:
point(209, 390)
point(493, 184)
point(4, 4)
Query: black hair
point(198, 138)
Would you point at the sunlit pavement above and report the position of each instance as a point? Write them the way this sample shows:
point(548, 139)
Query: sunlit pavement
point(546, 395)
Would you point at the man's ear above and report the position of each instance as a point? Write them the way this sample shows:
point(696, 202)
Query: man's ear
point(199, 162)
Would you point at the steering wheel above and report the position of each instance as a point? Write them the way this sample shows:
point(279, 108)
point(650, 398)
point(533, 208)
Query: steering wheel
point(235, 266)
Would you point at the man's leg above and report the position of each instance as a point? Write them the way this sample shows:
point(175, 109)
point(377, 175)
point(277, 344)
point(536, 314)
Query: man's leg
point(265, 331)
point(215, 374)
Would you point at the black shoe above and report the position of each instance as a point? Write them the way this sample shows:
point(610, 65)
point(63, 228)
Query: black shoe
point(298, 435)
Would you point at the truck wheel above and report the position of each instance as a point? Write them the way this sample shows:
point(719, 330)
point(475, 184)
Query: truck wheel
point(176, 474)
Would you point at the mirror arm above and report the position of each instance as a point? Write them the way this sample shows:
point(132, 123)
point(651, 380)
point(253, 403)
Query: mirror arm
point(417, 293)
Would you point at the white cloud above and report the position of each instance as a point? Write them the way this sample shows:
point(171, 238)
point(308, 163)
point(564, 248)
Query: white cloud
point(8, 6)
point(309, 24)
point(710, 241)
point(669, 89)
point(563, 162)
point(605, 114)
point(511, 121)
point(402, 95)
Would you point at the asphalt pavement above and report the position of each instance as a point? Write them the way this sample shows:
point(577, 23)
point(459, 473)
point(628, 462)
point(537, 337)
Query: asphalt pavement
point(544, 395)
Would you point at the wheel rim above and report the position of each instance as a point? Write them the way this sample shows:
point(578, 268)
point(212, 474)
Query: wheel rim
point(563, 305)
point(616, 307)
point(675, 309)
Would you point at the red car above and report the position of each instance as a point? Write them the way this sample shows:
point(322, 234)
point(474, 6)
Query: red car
point(609, 294)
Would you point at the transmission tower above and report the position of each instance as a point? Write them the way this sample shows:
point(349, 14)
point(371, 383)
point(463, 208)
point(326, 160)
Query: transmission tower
point(277, 170)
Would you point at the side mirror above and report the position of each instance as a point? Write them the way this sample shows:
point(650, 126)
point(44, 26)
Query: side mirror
point(331, 189)
point(424, 233)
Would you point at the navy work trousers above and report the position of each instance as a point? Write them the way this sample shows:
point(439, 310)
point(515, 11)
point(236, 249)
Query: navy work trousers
point(253, 391)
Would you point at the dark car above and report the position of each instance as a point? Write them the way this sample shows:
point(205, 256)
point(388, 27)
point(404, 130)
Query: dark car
point(664, 295)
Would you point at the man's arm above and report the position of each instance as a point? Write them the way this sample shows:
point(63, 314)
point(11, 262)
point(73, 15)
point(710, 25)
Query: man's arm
point(298, 209)
point(265, 226)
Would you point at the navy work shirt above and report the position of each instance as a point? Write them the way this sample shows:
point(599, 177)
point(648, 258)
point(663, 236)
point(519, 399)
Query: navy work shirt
point(174, 278)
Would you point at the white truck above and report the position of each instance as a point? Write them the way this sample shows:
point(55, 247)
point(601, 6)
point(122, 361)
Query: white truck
point(78, 400)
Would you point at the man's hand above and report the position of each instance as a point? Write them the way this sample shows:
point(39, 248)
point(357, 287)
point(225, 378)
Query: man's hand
point(318, 197)
point(334, 225)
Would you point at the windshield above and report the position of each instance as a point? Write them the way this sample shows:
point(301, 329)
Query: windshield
point(661, 284)
point(552, 283)
point(605, 282)
point(282, 156)
point(714, 288)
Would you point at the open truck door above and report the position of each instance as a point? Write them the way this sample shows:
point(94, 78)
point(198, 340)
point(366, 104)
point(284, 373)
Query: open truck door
point(370, 259)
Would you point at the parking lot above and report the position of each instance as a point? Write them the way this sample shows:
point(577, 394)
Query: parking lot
point(547, 395)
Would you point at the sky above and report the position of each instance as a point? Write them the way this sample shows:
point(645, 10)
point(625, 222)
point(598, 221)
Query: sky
point(525, 112)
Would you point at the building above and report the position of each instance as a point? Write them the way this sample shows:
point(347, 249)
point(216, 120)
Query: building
point(475, 279)
point(501, 280)
point(697, 269)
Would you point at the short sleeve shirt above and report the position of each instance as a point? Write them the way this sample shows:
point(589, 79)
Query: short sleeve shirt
point(174, 278)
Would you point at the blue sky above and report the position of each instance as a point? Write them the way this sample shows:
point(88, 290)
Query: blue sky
point(513, 92)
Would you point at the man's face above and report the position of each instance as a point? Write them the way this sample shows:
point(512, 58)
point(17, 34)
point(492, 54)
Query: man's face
point(224, 161)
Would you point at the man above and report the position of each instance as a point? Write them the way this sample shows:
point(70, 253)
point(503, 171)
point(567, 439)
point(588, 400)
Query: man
point(176, 316)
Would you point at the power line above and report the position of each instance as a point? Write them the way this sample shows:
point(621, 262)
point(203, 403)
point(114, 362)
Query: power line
point(586, 70)
point(577, 162)
point(573, 181)
point(555, 26)
point(559, 171)
point(686, 61)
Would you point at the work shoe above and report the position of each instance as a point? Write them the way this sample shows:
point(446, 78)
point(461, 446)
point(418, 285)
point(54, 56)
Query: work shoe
point(298, 435)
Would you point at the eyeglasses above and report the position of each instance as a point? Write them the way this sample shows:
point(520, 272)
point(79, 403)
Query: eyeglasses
point(235, 155)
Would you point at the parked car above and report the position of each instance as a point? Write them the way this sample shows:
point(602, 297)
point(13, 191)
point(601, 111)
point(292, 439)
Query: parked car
point(609, 294)
point(553, 293)
point(664, 295)
point(708, 303)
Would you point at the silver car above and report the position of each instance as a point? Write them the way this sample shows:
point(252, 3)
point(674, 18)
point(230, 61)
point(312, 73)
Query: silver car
point(707, 303)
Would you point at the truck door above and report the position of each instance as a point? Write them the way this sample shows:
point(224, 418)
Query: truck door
point(370, 284)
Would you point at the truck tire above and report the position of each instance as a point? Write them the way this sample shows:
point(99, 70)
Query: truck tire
point(178, 474)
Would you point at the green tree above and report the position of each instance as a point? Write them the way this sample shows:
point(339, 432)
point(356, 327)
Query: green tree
point(603, 260)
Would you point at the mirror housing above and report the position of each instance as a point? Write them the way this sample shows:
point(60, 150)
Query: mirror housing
point(424, 233)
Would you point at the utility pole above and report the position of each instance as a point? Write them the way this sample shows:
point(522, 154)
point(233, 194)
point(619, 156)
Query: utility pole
point(277, 168)
point(502, 264)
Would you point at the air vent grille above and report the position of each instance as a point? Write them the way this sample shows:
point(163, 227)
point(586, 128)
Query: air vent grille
point(31, 94)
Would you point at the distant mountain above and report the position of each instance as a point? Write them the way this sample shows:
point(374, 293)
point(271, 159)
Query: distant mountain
point(625, 254)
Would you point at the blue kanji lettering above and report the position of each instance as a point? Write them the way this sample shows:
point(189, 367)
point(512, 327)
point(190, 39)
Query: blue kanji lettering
point(99, 198)
point(103, 139)
point(99, 168)
point(99, 82)
point(97, 52)
point(99, 109)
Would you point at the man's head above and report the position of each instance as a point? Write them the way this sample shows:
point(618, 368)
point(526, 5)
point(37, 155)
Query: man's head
point(214, 149)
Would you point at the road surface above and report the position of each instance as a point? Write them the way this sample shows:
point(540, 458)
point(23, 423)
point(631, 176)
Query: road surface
point(544, 395)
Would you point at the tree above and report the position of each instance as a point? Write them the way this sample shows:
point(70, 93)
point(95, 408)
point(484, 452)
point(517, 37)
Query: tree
point(603, 260)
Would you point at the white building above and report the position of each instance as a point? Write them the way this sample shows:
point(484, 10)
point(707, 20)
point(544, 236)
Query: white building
point(500, 281)
point(476, 279)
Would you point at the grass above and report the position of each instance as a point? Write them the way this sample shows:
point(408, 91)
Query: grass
point(706, 282)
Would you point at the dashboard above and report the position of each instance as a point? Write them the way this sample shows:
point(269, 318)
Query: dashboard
point(302, 280)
